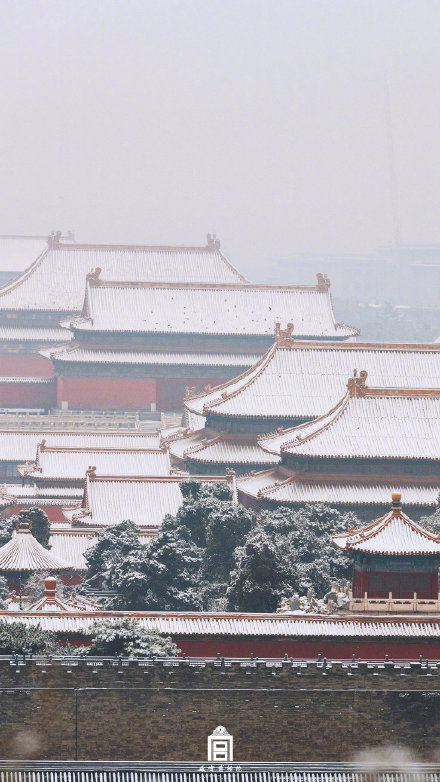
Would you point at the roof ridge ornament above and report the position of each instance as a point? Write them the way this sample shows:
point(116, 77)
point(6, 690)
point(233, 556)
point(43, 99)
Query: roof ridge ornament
point(323, 281)
point(23, 526)
point(396, 504)
point(357, 385)
point(212, 242)
point(283, 337)
point(93, 276)
point(54, 239)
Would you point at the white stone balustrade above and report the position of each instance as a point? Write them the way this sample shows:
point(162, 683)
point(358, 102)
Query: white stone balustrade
point(393, 604)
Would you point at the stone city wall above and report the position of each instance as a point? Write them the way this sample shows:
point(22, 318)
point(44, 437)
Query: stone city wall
point(276, 711)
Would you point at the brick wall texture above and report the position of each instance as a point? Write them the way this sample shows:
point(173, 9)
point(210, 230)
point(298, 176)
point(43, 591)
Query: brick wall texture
point(154, 711)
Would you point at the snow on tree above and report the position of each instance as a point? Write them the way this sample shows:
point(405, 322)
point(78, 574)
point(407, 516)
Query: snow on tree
point(40, 525)
point(294, 554)
point(254, 584)
point(112, 545)
point(4, 592)
point(213, 551)
point(16, 636)
point(127, 637)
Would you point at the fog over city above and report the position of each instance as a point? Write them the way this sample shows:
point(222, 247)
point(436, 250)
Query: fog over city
point(276, 125)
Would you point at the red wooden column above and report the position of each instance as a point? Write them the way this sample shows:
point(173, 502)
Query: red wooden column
point(360, 582)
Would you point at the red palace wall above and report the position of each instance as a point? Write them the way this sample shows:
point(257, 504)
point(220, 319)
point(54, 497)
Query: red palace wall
point(368, 649)
point(19, 365)
point(84, 393)
point(40, 395)
point(54, 512)
point(167, 394)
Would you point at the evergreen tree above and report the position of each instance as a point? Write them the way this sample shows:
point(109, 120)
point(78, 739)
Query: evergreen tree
point(165, 578)
point(4, 592)
point(127, 637)
point(7, 527)
point(255, 582)
point(432, 521)
point(303, 538)
point(113, 545)
point(16, 636)
point(213, 550)
point(226, 528)
point(40, 525)
point(294, 555)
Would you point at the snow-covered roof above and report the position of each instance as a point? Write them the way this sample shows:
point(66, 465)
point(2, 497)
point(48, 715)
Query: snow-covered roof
point(55, 281)
point(29, 491)
point(71, 544)
point(50, 601)
point(23, 552)
point(382, 423)
point(27, 380)
point(18, 252)
point(39, 335)
point(26, 496)
point(79, 354)
point(282, 485)
point(62, 463)
point(144, 500)
point(203, 308)
point(251, 625)
point(223, 448)
point(21, 446)
point(303, 380)
point(394, 533)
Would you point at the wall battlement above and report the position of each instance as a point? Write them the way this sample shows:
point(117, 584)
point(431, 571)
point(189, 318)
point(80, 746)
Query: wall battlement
point(217, 674)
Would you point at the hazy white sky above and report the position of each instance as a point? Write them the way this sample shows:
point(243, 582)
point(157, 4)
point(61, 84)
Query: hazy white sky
point(155, 122)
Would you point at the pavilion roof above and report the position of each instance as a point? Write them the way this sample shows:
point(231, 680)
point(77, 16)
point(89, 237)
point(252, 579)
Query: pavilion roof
point(395, 533)
point(381, 423)
point(144, 500)
point(281, 485)
point(63, 463)
point(208, 308)
point(24, 553)
point(302, 380)
point(55, 281)
point(52, 603)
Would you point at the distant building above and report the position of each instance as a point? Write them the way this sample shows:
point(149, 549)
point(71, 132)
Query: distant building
point(405, 275)
point(138, 346)
point(52, 288)
point(178, 316)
